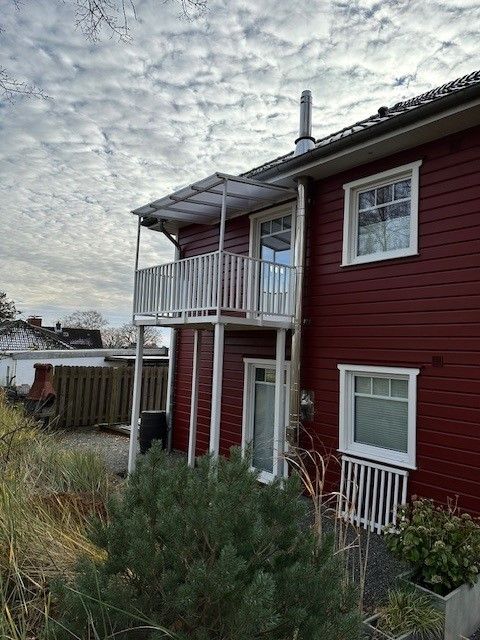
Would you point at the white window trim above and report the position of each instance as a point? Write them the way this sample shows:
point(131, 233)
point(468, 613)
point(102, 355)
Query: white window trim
point(248, 407)
point(350, 214)
point(347, 444)
point(256, 220)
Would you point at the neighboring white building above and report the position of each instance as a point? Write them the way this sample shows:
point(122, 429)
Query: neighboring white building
point(16, 367)
point(25, 343)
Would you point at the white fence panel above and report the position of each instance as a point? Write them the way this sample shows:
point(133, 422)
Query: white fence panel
point(371, 493)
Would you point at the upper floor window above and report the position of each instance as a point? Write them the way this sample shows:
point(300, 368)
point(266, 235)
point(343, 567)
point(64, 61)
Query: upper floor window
point(381, 216)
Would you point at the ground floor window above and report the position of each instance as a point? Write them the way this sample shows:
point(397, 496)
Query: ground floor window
point(259, 429)
point(377, 413)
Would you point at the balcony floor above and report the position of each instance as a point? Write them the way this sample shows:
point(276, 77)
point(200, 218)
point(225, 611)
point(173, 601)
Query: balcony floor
point(231, 322)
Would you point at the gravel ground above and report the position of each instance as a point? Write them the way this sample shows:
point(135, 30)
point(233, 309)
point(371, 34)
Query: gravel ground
point(112, 447)
point(382, 567)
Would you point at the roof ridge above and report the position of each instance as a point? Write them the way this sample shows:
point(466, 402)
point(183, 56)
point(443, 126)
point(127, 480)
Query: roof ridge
point(437, 93)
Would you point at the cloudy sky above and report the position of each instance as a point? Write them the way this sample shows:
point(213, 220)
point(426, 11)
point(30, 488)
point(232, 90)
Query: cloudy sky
point(127, 123)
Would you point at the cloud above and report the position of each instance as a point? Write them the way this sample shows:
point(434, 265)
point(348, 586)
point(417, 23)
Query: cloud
point(127, 123)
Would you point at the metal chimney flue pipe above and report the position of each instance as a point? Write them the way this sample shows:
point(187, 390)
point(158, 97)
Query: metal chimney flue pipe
point(305, 141)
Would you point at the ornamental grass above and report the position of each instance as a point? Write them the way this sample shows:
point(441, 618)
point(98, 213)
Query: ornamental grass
point(47, 497)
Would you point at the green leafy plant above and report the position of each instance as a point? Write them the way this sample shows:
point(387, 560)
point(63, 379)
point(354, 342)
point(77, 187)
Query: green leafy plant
point(207, 554)
point(442, 546)
point(407, 611)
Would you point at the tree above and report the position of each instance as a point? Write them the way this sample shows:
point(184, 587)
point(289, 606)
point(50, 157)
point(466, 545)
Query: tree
point(8, 311)
point(89, 319)
point(125, 337)
point(92, 17)
point(208, 554)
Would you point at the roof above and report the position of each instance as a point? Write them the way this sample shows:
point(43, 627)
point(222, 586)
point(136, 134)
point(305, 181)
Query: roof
point(384, 114)
point(201, 202)
point(18, 335)
point(78, 338)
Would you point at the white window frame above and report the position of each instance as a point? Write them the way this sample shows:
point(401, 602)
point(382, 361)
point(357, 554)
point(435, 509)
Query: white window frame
point(256, 220)
point(347, 443)
point(350, 214)
point(249, 407)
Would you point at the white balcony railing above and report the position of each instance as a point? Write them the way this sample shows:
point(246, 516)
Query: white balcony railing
point(215, 283)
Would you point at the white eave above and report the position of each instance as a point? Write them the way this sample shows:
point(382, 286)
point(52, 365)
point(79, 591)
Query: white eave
point(201, 202)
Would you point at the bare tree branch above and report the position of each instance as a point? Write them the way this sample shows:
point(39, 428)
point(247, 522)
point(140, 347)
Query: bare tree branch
point(193, 8)
point(92, 17)
point(10, 87)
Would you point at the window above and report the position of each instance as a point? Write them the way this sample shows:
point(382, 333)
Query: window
point(378, 413)
point(381, 216)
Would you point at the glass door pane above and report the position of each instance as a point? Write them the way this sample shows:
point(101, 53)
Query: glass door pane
point(276, 248)
point(263, 416)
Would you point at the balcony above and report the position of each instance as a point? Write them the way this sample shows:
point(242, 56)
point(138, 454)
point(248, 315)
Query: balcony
point(216, 287)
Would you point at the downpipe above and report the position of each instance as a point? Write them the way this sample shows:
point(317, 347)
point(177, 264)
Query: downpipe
point(293, 430)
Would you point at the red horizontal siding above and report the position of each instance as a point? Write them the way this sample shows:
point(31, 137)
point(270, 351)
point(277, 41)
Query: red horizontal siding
point(403, 312)
point(399, 312)
point(238, 345)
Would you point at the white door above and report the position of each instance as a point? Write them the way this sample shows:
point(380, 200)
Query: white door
point(259, 425)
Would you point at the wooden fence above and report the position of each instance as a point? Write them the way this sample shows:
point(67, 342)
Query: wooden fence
point(103, 395)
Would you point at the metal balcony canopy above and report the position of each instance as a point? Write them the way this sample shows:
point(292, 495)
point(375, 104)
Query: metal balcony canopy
point(201, 202)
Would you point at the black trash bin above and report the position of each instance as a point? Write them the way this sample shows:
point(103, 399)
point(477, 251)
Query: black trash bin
point(153, 426)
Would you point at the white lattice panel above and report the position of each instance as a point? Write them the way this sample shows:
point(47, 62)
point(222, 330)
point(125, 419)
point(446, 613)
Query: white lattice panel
point(371, 493)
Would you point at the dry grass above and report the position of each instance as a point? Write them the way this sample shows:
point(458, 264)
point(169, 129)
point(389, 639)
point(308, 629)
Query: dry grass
point(311, 462)
point(47, 497)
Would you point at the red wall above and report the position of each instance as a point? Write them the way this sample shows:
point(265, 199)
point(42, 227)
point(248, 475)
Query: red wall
point(238, 345)
point(403, 312)
point(398, 312)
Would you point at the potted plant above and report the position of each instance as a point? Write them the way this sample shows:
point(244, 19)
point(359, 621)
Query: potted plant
point(442, 547)
point(406, 615)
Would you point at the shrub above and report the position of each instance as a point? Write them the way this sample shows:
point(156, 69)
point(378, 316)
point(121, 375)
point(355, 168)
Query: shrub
point(208, 554)
point(47, 496)
point(408, 611)
point(442, 546)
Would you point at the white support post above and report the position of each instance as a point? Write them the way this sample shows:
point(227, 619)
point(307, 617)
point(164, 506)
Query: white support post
point(221, 243)
point(192, 435)
point(137, 255)
point(137, 396)
point(219, 334)
point(171, 375)
point(279, 413)
point(223, 216)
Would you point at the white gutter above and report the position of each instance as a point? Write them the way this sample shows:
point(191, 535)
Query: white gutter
point(381, 136)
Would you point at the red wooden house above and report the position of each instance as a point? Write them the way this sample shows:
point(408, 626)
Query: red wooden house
point(334, 291)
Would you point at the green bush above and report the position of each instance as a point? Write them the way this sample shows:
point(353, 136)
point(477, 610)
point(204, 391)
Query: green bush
point(208, 554)
point(442, 546)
